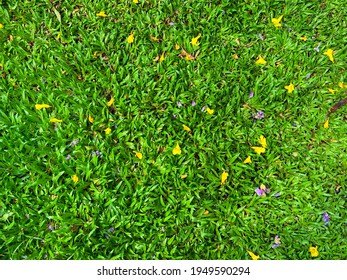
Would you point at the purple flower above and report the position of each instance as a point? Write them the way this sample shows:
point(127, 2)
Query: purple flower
point(261, 37)
point(111, 229)
point(68, 157)
point(258, 191)
point(277, 242)
point(262, 191)
point(203, 108)
point(73, 143)
point(193, 103)
point(98, 153)
point(259, 115)
point(179, 104)
point(251, 94)
point(317, 48)
point(308, 76)
point(277, 194)
point(326, 218)
point(295, 125)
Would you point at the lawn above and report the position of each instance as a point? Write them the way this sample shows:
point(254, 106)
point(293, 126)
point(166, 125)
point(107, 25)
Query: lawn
point(173, 129)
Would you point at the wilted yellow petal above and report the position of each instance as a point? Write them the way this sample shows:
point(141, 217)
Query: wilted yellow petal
point(209, 111)
point(262, 141)
point(162, 57)
point(303, 38)
point(186, 127)
point(259, 150)
point(139, 155)
point(331, 90)
point(40, 106)
point(107, 130)
point(247, 160)
point(195, 40)
point(224, 177)
point(253, 256)
point(154, 38)
point(101, 14)
point(110, 102)
point(131, 38)
point(329, 53)
point(260, 60)
point(235, 56)
point(74, 178)
point(276, 21)
point(90, 118)
point(314, 251)
point(326, 124)
point(177, 150)
point(184, 176)
point(290, 88)
point(55, 120)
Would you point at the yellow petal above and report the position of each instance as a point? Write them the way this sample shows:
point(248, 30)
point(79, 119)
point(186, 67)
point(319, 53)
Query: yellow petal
point(101, 14)
point(326, 124)
point(176, 150)
point(262, 187)
point(177, 47)
point(304, 38)
point(110, 102)
point(290, 88)
point(74, 178)
point(107, 130)
point(195, 40)
point(40, 106)
point(206, 212)
point(139, 155)
point(253, 256)
point(184, 176)
point(186, 127)
point(1, 26)
point(55, 120)
point(235, 56)
point(154, 38)
point(331, 90)
point(58, 36)
point(276, 21)
point(131, 38)
point(260, 60)
point(209, 111)
point(90, 118)
point(135, 1)
point(262, 141)
point(329, 53)
point(259, 150)
point(162, 57)
point(342, 85)
point(314, 251)
point(224, 177)
point(247, 160)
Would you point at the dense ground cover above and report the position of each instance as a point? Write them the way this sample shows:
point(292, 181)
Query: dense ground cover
point(144, 149)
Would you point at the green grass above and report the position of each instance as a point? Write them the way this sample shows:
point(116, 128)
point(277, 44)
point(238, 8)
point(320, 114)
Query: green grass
point(124, 207)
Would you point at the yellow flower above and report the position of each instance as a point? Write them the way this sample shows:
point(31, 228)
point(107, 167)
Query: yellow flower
point(276, 21)
point(131, 38)
point(247, 160)
point(136, 1)
point(260, 60)
point(314, 251)
point(290, 88)
point(110, 102)
point(176, 150)
point(58, 36)
point(90, 118)
point(304, 38)
point(326, 124)
point(55, 120)
point(253, 256)
point(101, 14)
point(224, 177)
point(259, 150)
point(1, 26)
point(162, 57)
point(195, 40)
point(177, 47)
point(107, 130)
point(139, 155)
point(74, 178)
point(331, 90)
point(341, 85)
point(235, 56)
point(262, 141)
point(209, 111)
point(40, 106)
point(329, 53)
point(186, 127)
point(184, 176)
point(206, 212)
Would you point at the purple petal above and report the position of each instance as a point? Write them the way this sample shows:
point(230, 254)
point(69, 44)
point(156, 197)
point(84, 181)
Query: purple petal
point(174, 115)
point(68, 157)
point(203, 108)
point(179, 104)
point(261, 37)
point(193, 103)
point(251, 94)
point(276, 245)
point(277, 194)
point(308, 76)
point(259, 191)
point(171, 23)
